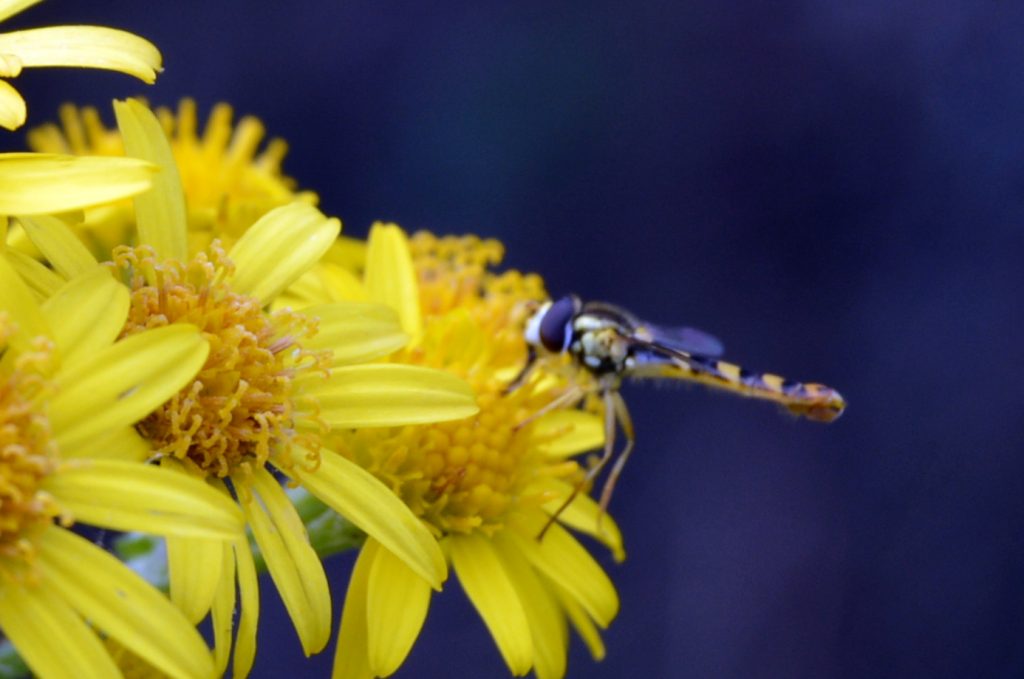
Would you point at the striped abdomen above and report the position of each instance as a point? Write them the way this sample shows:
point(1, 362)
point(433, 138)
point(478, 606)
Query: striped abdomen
point(813, 401)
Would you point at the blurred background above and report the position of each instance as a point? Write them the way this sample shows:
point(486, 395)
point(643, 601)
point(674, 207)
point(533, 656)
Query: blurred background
point(834, 189)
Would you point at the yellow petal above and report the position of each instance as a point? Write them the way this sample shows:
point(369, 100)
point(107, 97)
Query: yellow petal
point(566, 562)
point(355, 332)
point(38, 183)
point(357, 495)
point(12, 107)
point(125, 382)
point(325, 282)
point(160, 213)
point(59, 245)
point(351, 660)
point(581, 621)
point(222, 607)
point(84, 47)
point(41, 280)
point(483, 576)
point(9, 8)
point(129, 496)
point(548, 627)
point(12, 236)
point(390, 395)
point(249, 610)
point(391, 277)
point(397, 601)
point(565, 433)
point(52, 639)
point(195, 575)
point(17, 301)
point(275, 251)
point(122, 604)
point(10, 66)
point(348, 253)
point(87, 314)
point(122, 443)
point(291, 560)
point(583, 514)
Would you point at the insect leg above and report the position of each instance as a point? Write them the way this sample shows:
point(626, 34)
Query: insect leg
point(531, 363)
point(608, 395)
point(568, 399)
point(626, 422)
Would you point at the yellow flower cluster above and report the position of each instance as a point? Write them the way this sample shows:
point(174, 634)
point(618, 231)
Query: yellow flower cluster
point(195, 337)
point(485, 485)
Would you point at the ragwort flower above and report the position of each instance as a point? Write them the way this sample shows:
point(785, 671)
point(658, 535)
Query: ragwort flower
point(484, 486)
point(228, 181)
point(78, 46)
point(274, 383)
point(68, 397)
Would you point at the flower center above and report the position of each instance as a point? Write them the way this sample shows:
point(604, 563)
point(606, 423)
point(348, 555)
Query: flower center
point(466, 475)
point(453, 278)
point(240, 409)
point(27, 456)
point(451, 269)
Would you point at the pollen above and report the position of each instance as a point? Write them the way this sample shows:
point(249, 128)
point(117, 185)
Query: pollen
point(459, 476)
point(451, 269)
point(27, 456)
point(453, 275)
point(241, 407)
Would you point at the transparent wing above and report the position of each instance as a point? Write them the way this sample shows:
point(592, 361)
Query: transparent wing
point(690, 340)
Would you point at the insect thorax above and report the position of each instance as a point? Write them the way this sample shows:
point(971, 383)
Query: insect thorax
point(599, 346)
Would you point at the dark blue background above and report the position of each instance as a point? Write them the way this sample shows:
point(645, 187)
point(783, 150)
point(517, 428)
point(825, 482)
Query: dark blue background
point(835, 189)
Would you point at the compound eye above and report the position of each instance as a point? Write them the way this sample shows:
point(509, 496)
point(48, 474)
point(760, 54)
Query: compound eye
point(555, 326)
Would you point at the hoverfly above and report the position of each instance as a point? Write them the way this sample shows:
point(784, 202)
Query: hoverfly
point(611, 344)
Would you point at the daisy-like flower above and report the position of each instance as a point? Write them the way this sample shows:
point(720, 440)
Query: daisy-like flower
point(274, 383)
point(228, 181)
point(484, 486)
point(77, 46)
point(68, 397)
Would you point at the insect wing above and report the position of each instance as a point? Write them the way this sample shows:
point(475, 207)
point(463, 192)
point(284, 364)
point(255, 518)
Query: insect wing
point(689, 340)
point(655, 360)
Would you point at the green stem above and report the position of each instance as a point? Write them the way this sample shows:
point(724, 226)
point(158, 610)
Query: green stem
point(11, 664)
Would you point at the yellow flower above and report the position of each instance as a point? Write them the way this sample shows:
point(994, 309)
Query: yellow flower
point(68, 397)
point(273, 384)
point(228, 181)
point(79, 46)
point(484, 486)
